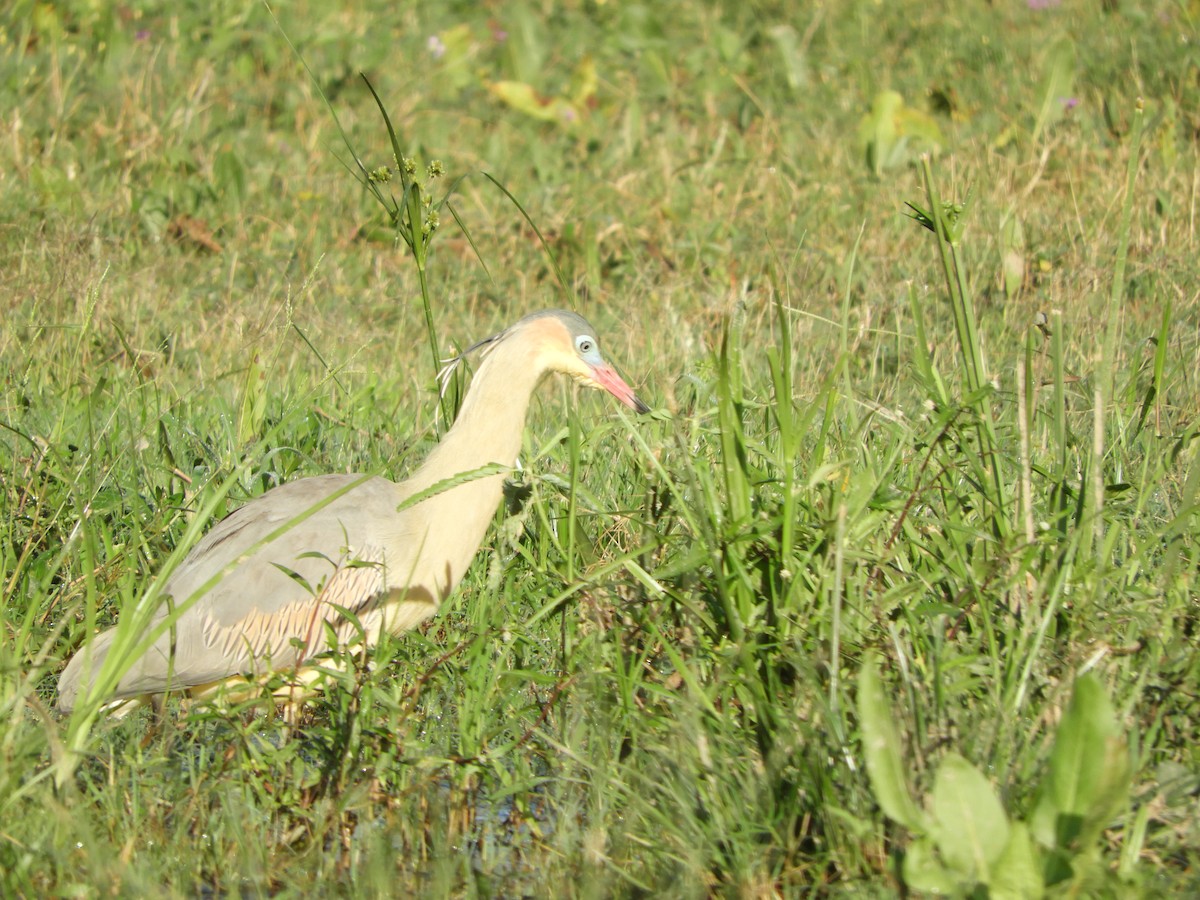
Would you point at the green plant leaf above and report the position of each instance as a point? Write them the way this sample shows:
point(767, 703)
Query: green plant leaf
point(456, 47)
point(924, 872)
point(1089, 775)
point(526, 100)
point(254, 402)
point(795, 64)
point(877, 135)
point(881, 748)
point(970, 826)
point(1017, 873)
point(893, 134)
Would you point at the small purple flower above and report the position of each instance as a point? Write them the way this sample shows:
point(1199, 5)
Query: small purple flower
point(435, 46)
point(142, 35)
point(1068, 103)
point(1042, 4)
point(499, 35)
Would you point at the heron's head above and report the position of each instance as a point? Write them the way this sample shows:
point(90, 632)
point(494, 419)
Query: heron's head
point(563, 341)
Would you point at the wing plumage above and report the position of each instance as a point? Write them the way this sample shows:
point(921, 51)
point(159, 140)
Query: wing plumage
point(270, 607)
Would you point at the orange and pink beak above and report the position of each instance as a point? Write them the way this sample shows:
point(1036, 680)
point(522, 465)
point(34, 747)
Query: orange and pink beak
point(605, 376)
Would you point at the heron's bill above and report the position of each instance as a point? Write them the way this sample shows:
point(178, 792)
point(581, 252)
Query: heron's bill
point(606, 377)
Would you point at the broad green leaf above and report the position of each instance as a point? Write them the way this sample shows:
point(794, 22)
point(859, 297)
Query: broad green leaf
point(453, 49)
point(523, 98)
point(795, 66)
point(920, 128)
point(892, 134)
point(881, 748)
point(877, 132)
point(1088, 779)
point(1056, 867)
point(970, 826)
point(924, 872)
point(565, 110)
point(1017, 874)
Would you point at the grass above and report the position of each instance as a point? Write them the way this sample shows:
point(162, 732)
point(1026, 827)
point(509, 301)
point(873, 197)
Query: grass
point(909, 503)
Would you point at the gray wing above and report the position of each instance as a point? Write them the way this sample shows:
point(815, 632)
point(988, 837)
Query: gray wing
point(282, 572)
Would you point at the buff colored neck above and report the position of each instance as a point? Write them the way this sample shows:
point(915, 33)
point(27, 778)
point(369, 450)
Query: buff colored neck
point(488, 430)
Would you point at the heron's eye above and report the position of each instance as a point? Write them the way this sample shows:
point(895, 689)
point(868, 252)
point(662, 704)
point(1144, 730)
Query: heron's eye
point(585, 344)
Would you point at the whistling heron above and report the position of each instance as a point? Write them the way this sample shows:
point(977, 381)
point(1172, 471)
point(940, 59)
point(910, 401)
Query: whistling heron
point(263, 589)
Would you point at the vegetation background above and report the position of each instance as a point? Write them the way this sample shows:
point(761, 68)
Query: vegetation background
point(895, 590)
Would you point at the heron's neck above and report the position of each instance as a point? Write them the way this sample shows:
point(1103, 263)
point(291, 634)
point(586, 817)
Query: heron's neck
point(490, 423)
point(449, 526)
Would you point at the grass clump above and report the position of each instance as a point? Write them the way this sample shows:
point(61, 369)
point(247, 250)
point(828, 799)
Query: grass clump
point(918, 502)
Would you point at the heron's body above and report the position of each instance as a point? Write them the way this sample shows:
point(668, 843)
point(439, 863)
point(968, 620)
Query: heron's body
point(260, 589)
